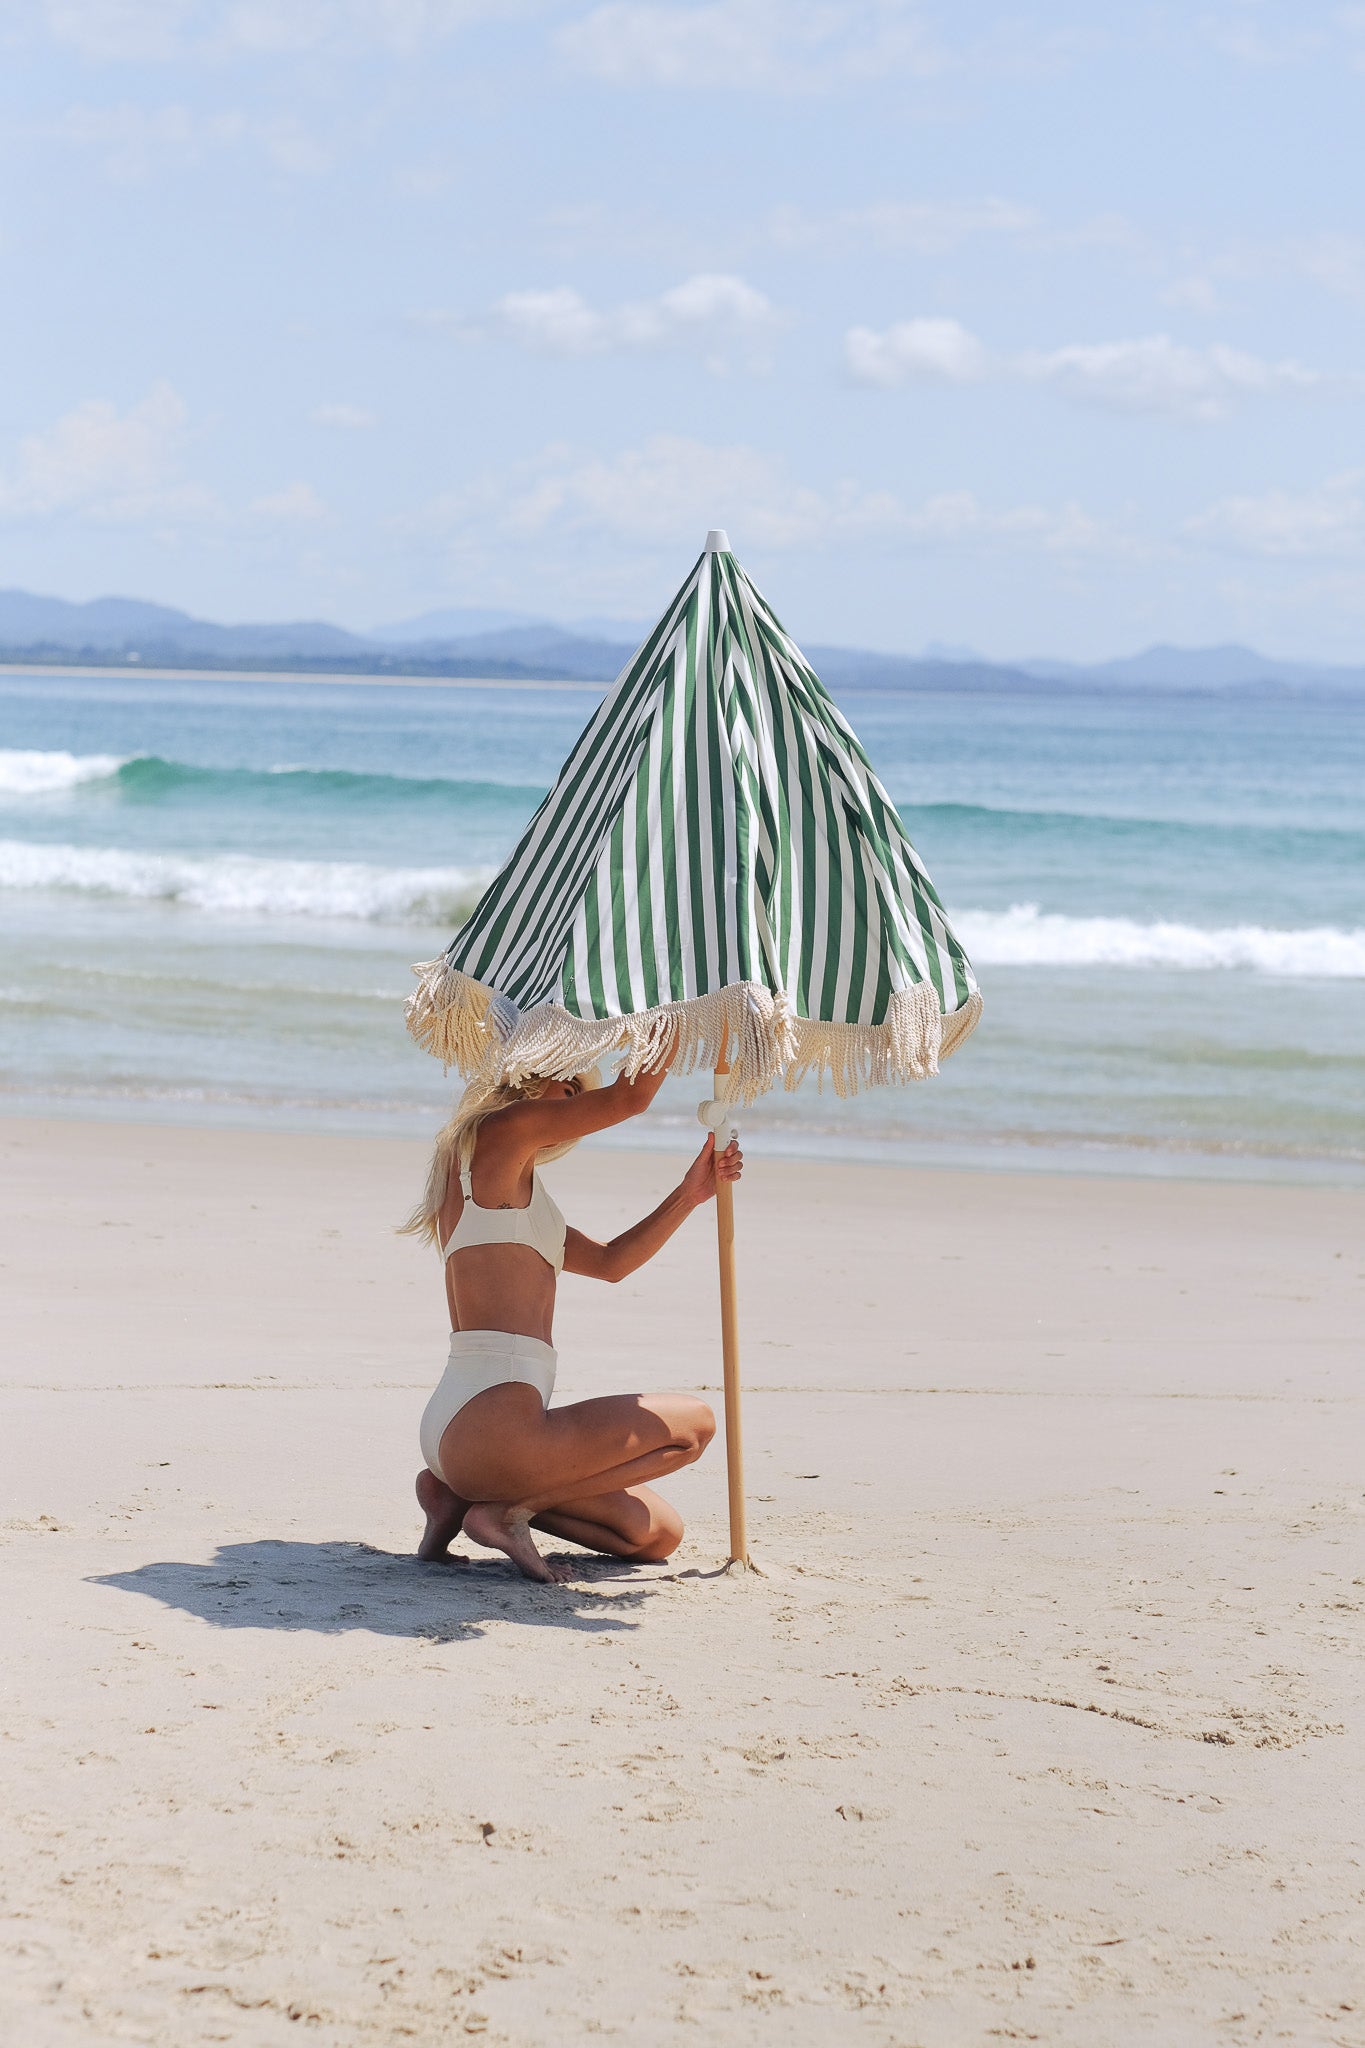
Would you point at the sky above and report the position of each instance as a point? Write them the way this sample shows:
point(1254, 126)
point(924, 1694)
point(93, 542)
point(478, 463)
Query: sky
point(1034, 329)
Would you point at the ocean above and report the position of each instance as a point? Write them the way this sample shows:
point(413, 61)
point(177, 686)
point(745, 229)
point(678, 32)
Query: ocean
point(211, 893)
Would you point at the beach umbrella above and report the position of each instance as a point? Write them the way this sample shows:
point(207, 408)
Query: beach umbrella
point(717, 867)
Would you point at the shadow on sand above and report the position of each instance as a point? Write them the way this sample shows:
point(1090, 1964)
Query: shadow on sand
point(329, 1588)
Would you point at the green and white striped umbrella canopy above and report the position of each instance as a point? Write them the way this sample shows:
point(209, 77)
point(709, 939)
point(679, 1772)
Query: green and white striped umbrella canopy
point(717, 862)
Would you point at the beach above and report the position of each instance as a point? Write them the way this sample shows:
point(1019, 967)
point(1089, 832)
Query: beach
point(1040, 1721)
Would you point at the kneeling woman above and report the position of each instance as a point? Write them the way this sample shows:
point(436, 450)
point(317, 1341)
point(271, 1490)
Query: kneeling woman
point(499, 1460)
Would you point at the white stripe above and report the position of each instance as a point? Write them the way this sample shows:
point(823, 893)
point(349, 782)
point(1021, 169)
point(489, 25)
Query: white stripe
point(628, 883)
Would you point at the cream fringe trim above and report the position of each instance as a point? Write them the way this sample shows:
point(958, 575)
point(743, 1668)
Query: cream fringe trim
point(447, 1014)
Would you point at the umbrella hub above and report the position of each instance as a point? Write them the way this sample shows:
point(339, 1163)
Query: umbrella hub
point(715, 1114)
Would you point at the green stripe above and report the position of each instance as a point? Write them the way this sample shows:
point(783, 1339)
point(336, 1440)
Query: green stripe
point(647, 996)
point(621, 958)
point(853, 1006)
point(597, 994)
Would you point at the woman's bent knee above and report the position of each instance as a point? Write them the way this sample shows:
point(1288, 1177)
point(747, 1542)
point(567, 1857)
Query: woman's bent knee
point(698, 1426)
point(665, 1534)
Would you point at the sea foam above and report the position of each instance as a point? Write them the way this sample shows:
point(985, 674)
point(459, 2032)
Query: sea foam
point(1022, 936)
point(27, 772)
point(1025, 936)
point(246, 884)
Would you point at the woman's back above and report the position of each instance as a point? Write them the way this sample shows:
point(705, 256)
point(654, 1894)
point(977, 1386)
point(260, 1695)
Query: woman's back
point(538, 1224)
point(501, 1257)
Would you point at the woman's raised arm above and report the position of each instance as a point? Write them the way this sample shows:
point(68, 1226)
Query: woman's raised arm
point(558, 1119)
point(629, 1251)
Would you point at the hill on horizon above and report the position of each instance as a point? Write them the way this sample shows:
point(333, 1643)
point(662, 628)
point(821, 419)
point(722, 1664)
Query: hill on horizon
point(472, 641)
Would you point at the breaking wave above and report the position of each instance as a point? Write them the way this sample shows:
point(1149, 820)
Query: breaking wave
point(246, 884)
point(148, 778)
point(1025, 936)
point(1022, 936)
point(27, 772)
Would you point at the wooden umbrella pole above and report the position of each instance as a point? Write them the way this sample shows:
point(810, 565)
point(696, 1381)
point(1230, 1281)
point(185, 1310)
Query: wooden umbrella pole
point(729, 1348)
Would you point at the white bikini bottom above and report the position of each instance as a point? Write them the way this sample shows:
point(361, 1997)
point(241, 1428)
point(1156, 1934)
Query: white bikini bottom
point(480, 1359)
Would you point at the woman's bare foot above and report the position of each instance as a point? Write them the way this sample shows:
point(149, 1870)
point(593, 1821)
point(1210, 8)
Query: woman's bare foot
point(497, 1525)
point(445, 1512)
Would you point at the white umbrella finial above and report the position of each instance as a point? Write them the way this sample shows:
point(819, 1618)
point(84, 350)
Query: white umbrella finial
point(717, 541)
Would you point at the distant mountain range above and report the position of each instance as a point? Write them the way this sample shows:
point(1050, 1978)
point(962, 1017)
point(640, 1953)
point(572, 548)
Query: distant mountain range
point(516, 646)
point(1208, 668)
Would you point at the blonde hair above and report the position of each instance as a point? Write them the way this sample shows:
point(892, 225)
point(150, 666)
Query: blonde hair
point(456, 1140)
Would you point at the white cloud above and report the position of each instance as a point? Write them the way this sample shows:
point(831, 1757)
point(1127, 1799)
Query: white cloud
point(141, 31)
point(941, 349)
point(298, 504)
point(132, 30)
point(1329, 258)
point(398, 25)
point(667, 492)
point(923, 227)
point(1237, 32)
point(1334, 261)
point(100, 465)
point(1151, 375)
point(1158, 375)
point(1253, 35)
point(1351, 22)
point(751, 45)
point(1326, 523)
point(1198, 293)
point(352, 419)
point(711, 313)
point(960, 517)
point(929, 228)
point(664, 490)
point(935, 350)
point(134, 139)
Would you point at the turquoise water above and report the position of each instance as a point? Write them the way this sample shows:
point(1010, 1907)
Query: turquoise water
point(211, 892)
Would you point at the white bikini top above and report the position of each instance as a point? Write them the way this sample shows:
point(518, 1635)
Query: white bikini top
point(539, 1225)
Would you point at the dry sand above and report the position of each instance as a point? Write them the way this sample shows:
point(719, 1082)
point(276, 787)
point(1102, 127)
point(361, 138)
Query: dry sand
point(1044, 1723)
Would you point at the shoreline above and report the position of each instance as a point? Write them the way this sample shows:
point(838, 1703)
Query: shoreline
point(76, 670)
point(1144, 1161)
point(1014, 685)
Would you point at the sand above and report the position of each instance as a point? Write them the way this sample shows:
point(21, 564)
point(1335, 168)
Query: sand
point(1043, 1723)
